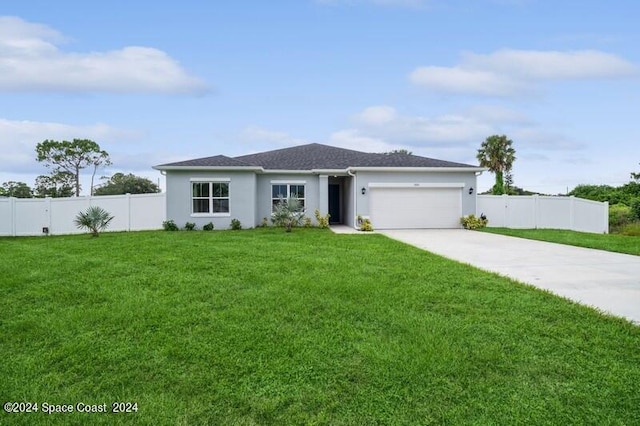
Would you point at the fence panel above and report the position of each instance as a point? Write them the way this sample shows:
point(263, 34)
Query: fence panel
point(587, 213)
point(148, 211)
point(20, 217)
point(521, 212)
point(529, 212)
point(554, 213)
point(6, 216)
point(30, 216)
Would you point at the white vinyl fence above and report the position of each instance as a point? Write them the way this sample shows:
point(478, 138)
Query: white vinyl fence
point(536, 211)
point(30, 216)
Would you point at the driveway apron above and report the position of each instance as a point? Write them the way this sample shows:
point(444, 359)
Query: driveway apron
point(607, 281)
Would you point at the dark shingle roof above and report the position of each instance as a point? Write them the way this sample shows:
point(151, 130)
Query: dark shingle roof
point(216, 161)
point(316, 156)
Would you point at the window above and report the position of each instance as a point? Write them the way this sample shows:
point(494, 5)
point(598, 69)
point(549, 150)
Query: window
point(288, 190)
point(210, 197)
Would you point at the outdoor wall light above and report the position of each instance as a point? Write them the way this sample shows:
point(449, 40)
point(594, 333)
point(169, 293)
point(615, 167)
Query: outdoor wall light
point(471, 190)
point(364, 190)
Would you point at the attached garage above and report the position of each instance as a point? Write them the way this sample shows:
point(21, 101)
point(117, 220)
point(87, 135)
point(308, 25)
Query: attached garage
point(415, 205)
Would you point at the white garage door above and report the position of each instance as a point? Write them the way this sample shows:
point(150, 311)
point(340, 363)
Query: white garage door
point(407, 208)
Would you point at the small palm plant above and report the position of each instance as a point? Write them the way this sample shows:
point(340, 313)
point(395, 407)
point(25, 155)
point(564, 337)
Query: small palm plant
point(95, 219)
point(288, 213)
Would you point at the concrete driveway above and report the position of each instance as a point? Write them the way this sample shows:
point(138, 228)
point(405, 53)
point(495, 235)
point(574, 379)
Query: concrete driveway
point(605, 280)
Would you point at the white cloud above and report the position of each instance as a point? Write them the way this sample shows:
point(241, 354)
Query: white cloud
point(18, 140)
point(509, 72)
point(384, 123)
point(376, 115)
point(257, 134)
point(354, 139)
point(551, 65)
point(26, 49)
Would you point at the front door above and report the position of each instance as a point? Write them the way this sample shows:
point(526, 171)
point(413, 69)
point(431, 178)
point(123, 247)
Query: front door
point(334, 204)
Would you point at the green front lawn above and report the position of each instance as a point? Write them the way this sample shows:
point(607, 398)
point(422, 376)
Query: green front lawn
point(265, 327)
point(609, 242)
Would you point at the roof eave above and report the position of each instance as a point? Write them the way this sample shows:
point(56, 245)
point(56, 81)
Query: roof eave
point(211, 168)
point(418, 169)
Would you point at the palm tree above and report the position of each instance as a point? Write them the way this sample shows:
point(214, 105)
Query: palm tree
point(95, 219)
point(497, 154)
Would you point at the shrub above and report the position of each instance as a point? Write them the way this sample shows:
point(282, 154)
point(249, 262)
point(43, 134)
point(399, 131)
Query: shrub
point(169, 225)
point(635, 208)
point(189, 226)
point(264, 223)
point(288, 213)
point(307, 222)
point(631, 229)
point(95, 219)
point(208, 227)
point(366, 225)
point(472, 222)
point(619, 216)
point(323, 221)
point(235, 225)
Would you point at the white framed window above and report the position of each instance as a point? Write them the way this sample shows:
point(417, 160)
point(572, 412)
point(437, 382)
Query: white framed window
point(288, 190)
point(210, 198)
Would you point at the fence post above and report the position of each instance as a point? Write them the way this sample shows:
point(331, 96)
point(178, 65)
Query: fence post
point(536, 211)
point(128, 212)
point(12, 208)
point(505, 201)
point(606, 217)
point(47, 206)
point(571, 212)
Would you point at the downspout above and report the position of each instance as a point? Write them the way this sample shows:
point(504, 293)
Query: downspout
point(355, 198)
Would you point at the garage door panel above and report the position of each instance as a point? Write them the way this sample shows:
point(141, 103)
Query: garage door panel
point(405, 208)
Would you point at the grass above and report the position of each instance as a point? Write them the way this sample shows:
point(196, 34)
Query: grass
point(265, 327)
point(609, 242)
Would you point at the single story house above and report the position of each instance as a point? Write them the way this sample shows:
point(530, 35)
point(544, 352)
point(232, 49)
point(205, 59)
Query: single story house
point(393, 190)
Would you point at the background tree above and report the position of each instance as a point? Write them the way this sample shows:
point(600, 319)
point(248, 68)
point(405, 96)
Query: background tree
point(497, 154)
point(16, 189)
point(400, 151)
point(120, 183)
point(56, 185)
point(635, 176)
point(72, 157)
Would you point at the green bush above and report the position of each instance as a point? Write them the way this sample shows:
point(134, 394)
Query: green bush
point(366, 225)
point(235, 225)
point(189, 226)
point(472, 222)
point(169, 225)
point(323, 221)
point(264, 223)
point(288, 213)
point(306, 222)
point(619, 216)
point(208, 227)
point(631, 229)
point(95, 219)
point(635, 208)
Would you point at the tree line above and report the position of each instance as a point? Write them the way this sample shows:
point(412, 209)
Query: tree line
point(66, 160)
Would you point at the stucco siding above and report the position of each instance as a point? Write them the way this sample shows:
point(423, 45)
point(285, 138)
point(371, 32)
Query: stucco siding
point(264, 200)
point(364, 179)
point(242, 196)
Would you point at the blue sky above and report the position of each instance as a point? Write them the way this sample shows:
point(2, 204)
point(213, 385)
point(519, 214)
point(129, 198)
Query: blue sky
point(155, 82)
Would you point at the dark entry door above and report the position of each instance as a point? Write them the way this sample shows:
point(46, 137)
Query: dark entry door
point(334, 203)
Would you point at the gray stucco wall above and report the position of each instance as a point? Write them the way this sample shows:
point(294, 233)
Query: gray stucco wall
point(242, 196)
point(363, 179)
point(264, 182)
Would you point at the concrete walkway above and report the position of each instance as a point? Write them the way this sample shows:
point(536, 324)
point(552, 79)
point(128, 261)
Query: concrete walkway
point(605, 280)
